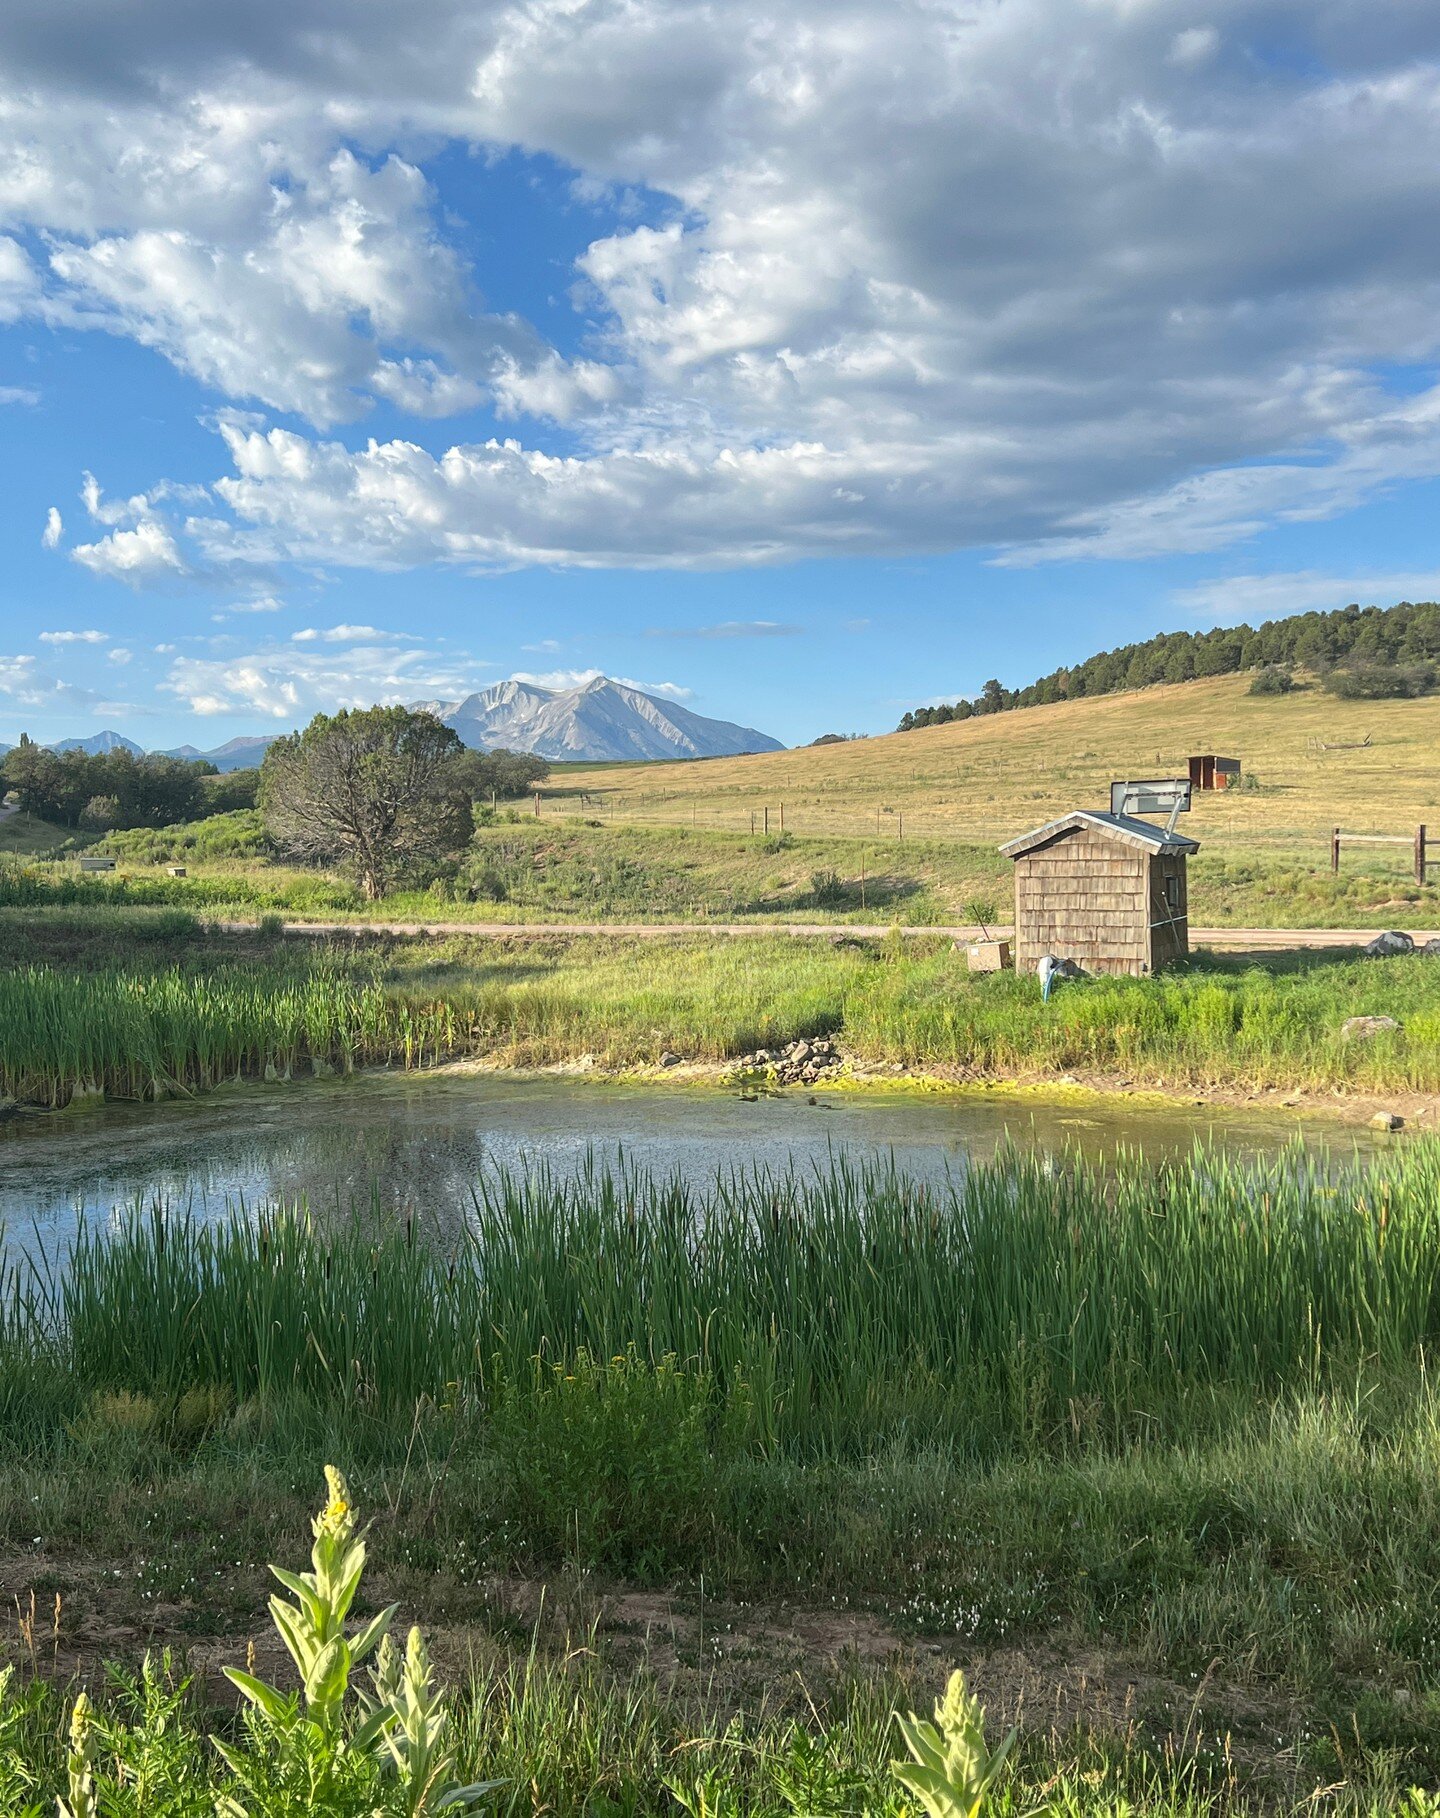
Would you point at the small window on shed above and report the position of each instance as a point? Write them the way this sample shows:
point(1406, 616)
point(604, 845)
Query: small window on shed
point(1172, 893)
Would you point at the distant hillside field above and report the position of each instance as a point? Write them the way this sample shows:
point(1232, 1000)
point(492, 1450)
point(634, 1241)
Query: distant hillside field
point(26, 835)
point(988, 778)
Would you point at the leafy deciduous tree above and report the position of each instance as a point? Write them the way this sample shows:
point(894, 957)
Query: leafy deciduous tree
point(380, 789)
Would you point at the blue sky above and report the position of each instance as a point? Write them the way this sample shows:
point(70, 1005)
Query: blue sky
point(804, 369)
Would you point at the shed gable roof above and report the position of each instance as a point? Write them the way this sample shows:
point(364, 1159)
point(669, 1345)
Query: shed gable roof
point(1124, 829)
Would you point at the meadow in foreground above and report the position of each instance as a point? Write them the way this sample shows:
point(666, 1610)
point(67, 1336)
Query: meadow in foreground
point(392, 1741)
point(1176, 1424)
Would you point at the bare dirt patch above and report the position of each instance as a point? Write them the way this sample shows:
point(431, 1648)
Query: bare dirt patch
point(68, 1616)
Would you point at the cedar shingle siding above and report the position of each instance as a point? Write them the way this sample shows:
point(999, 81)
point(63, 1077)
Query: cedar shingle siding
point(1100, 895)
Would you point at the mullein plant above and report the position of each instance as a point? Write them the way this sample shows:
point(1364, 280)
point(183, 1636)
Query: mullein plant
point(415, 1732)
point(312, 1736)
point(953, 1769)
point(313, 1627)
point(80, 1764)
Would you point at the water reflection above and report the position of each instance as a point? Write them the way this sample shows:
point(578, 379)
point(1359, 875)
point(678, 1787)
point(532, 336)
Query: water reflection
point(399, 1145)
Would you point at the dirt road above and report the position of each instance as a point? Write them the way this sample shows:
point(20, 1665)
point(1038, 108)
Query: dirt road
point(1230, 939)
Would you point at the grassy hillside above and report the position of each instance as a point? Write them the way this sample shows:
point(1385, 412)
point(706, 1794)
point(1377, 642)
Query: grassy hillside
point(898, 828)
point(987, 778)
point(27, 836)
point(567, 868)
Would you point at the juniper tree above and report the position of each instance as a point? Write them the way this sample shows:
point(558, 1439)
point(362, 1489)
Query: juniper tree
point(381, 790)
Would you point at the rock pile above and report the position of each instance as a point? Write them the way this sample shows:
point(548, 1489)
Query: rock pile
point(800, 1063)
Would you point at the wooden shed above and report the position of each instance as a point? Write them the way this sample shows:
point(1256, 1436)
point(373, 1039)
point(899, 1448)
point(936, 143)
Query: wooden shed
point(1210, 772)
point(1105, 890)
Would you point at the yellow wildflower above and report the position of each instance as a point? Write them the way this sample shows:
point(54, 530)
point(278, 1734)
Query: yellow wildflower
point(335, 1517)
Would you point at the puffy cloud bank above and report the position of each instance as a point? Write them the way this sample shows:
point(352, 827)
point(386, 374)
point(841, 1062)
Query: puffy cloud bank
point(1118, 279)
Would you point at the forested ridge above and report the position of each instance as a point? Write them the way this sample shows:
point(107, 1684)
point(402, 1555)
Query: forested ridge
point(1370, 645)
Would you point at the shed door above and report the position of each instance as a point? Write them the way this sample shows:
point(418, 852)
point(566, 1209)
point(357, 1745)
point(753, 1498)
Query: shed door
point(1167, 909)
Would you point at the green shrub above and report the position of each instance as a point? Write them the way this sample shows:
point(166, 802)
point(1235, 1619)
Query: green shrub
point(234, 834)
point(1272, 679)
point(614, 1461)
point(1361, 681)
point(827, 890)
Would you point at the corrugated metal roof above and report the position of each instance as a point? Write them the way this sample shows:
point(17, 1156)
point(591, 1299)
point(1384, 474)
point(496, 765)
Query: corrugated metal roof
point(1122, 827)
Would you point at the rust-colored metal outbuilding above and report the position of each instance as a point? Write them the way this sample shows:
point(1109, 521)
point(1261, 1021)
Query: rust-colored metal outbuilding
point(1210, 772)
point(1106, 890)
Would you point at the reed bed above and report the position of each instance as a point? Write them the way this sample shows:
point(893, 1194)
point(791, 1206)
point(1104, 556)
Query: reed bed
point(836, 1313)
point(129, 1018)
point(133, 1034)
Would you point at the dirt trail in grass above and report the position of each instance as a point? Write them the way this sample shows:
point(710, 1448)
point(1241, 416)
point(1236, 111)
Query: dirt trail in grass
point(1235, 940)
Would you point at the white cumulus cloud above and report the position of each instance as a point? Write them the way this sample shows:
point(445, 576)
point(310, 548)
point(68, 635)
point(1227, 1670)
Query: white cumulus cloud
point(347, 634)
point(287, 684)
point(908, 275)
point(1255, 597)
point(143, 554)
point(41, 695)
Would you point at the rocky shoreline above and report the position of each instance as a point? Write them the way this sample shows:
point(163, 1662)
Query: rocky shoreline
point(800, 1063)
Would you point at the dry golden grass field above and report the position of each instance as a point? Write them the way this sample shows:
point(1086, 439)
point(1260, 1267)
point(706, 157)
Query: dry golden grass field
point(986, 779)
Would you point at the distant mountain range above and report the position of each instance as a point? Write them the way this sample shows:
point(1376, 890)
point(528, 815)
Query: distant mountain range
point(598, 722)
point(234, 754)
point(99, 743)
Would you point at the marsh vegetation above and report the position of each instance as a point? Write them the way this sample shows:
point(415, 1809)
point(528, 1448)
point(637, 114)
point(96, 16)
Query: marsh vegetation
point(1178, 1422)
point(137, 1004)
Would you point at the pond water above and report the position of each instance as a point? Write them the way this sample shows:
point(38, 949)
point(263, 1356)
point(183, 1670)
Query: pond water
point(416, 1143)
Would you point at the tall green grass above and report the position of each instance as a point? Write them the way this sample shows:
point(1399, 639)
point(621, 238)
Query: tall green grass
point(1215, 1022)
point(237, 886)
point(196, 1013)
point(141, 1034)
point(832, 1314)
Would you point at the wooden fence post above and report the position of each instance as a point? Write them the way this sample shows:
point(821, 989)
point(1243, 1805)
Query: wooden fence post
point(537, 804)
point(767, 820)
point(1335, 849)
point(782, 817)
point(1420, 853)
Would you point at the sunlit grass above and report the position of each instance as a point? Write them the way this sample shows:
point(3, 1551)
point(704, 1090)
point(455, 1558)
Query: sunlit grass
point(847, 1310)
point(89, 1004)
